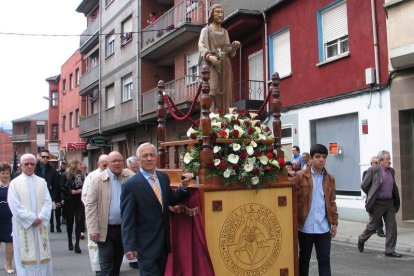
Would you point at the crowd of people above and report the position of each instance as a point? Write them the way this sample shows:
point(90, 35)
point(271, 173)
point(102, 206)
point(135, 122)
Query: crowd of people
point(41, 197)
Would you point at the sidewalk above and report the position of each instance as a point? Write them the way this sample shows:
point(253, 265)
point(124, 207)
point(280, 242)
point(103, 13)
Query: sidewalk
point(348, 232)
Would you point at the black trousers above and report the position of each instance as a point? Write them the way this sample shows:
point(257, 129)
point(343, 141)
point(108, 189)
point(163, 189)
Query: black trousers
point(322, 244)
point(75, 212)
point(111, 252)
point(58, 214)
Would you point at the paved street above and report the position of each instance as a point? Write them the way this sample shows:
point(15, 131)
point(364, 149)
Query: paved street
point(346, 261)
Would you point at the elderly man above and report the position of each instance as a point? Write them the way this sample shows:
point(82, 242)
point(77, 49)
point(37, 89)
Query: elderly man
point(92, 246)
point(145, 215)
point(215, 50)
point(103, 213)
point(133, 164)
point(31, 206)
point(383, 200)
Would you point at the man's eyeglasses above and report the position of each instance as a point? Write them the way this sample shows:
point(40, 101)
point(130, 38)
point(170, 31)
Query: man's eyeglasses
point(29, 164)
point(45, 157)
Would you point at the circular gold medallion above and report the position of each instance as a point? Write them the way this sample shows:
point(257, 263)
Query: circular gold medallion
point(250, 240)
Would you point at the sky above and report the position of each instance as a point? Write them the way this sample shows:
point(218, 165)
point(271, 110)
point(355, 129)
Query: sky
point(27, 61)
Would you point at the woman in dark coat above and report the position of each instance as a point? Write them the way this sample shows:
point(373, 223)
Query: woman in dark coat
point(6, 216)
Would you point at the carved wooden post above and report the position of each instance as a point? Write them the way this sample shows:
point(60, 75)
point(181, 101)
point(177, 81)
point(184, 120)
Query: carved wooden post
point(276, 108)
point(161, 130)
point(176, 156)
point(206, 153)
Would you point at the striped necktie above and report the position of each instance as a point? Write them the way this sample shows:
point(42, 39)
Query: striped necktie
point(156, 188)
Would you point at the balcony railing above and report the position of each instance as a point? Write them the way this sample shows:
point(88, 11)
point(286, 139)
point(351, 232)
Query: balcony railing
point(249, 90)
point(89, 124)
point(180, 90)
point(190, 12)
point(20, 137)
point(88, 79)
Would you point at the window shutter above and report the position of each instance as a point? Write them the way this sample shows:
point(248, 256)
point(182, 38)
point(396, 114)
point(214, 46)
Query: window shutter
point(127, 27)
point(334, 22)
point(281, 50)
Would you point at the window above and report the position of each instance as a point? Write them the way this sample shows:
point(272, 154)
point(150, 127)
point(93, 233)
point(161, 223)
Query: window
point(126, 29)
point(25, 130)
point(127, 87)
point(110, 96)
point(333, 31)
point(63, 86)
point(64, 123)
point(280, 53)
point(94, 107)
point(77, 77)
point(109, 45)
point(55, 132)
point(92, 61)
point(192, 67)
point(70, 120)
point(55, 99)
point(40, 129)
point(77, 118)
point(70, 82)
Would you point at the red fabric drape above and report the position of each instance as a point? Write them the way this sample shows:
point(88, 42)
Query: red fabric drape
point(189, 253)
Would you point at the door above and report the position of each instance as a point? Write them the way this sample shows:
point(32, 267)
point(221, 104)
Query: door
point(256, 85)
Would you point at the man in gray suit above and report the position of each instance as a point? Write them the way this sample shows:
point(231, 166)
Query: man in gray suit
point(383, 200)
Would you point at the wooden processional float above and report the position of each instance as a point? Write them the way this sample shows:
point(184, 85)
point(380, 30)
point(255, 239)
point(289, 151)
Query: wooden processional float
point(247, 231)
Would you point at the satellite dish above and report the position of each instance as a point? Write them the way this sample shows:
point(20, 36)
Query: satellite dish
point(95, 94)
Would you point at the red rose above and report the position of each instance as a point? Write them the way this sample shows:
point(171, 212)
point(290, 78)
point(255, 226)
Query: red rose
point(213, 135)
point(243, 155)
point(257, 153)
point(270, 155)
point(210, 163)
point(256, 171)
point(222, 166)
point(268, 168)
point(193, 136)
point(250, 130)
point(223, 125)
point(266, 129)
point(257, 124)
point(235, 167)
point(235, 122)
point(281, 161)
point(247, 123)
point(235, 133)
point(223, 133)
point(220, 111)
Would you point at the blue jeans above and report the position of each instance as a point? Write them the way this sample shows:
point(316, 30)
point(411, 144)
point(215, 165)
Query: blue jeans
point(323, 251)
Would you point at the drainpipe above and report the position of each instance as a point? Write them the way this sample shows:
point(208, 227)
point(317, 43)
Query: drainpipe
point(265, 55)
point(207, 9)
point(99, 72)
point(375, 36)
point(138, 63)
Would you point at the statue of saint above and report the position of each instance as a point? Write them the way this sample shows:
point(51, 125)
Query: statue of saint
point(216, 50)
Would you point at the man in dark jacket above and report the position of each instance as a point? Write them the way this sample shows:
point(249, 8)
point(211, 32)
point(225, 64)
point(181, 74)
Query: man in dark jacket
point(383, 200)
point(46, 171)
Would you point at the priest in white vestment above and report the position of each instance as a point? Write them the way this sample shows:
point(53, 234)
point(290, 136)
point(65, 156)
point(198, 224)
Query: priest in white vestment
point(31, 205)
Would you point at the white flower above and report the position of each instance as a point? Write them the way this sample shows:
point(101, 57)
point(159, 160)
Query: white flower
point(249, 150)
point(216, 124)
point(253, 115)
point(228, 116)
point(261, 137)
point(239, 129)
point(236, 147)
point(274, 163)
point(254, 122)
point(253, 144)
point(251, 160)
point(214, 116)
point(264, 160)
point(190, 131)
point(255, 180)
point(216, 162)
point(257, 130)
point(188, 158)
point(248, 167)
point(227, 173)
point(241, 121)
point(231, 109)
point(233, 158)
point(216, 149)
point(270, 137)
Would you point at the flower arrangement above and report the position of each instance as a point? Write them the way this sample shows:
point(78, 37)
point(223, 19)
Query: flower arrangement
point(243, 150)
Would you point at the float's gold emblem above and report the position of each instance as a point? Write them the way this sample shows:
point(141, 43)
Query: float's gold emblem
point(250, 240)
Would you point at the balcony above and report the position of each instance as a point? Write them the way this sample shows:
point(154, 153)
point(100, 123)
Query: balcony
point(249, 94)
point(89, 80)
point(173, 29)
point(90, 37)
point(21, 138)
point(89, 125)
point(182, 90)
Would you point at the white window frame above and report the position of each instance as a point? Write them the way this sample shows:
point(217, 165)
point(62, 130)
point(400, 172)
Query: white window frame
point(110, 45)
point(110, 96)
point(127, 87)
point(126, 27)
point(333, 31)
point(281, 55)
point(55, 98)
point(193, 70)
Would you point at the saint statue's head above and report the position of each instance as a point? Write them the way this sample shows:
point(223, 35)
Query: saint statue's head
point(216, 14)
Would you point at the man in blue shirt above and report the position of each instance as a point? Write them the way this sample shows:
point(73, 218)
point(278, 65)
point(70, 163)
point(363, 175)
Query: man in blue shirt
point(297, 156)
point(317, 212)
